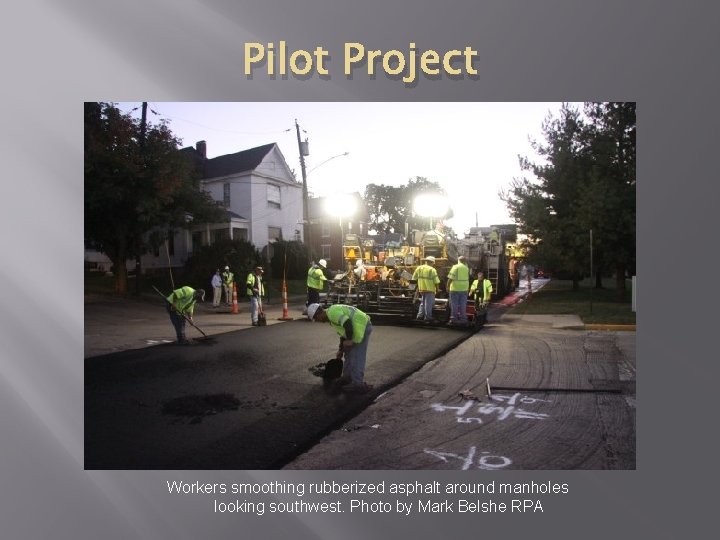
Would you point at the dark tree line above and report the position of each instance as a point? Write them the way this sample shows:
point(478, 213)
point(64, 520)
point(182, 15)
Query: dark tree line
point(136, 180)
point(390, 208)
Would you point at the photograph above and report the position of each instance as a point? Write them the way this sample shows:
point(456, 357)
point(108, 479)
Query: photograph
point(358, 270)
point(474, 263)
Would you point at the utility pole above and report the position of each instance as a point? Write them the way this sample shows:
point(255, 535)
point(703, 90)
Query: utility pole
point(592, 280)
point(307, 234)
point(138, 255)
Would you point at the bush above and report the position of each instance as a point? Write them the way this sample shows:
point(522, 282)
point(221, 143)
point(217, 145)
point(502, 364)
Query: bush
point(240, 255)
point(289, 259)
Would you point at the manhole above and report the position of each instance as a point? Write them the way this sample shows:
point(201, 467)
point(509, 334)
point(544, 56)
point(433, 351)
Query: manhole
point(199, 406)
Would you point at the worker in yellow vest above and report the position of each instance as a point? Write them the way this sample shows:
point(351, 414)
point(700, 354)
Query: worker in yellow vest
point(316, 281)
point(481, 291)
point(255, 290)
point(180, 306)
point(354, 328)
point(427, 280)
point(228, 279)
point(458, 285)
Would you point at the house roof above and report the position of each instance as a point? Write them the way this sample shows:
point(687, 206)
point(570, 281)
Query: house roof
point(239, 162)
point(232, 215)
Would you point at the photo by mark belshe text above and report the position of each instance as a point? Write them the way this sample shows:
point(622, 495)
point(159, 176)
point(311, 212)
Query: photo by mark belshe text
point(248, 498)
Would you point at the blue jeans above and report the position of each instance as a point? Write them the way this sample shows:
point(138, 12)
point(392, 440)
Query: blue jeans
point(254, 303)
point(355, 358)
point(178, 321)
point(427, 301)
point(458, 306)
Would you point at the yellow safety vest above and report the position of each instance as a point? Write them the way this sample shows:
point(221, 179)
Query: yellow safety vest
point(339, 313)
point(183, 300)
point(460, 276)
point(251, 284)
point(316, 278)
point(487, 289)
point(427, 278)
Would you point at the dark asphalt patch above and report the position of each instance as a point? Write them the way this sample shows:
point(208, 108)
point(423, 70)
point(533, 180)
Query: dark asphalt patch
point(198, 406)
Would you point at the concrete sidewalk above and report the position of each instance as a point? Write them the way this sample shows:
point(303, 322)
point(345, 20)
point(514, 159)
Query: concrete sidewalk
point(117, 324)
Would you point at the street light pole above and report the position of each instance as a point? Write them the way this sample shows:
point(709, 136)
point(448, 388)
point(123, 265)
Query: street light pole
point(328, 159)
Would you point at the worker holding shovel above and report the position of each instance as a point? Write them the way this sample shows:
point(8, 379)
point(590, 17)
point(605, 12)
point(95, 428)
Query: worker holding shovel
point(255, 291)
point(180, 306)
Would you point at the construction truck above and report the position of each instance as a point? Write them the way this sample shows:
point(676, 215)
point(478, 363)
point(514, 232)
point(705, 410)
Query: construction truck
point(381, 282)
point(493, 250)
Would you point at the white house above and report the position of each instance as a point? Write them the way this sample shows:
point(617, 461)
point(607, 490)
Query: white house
point(262, 199)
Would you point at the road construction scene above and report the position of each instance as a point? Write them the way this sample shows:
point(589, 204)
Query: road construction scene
point(236, 327)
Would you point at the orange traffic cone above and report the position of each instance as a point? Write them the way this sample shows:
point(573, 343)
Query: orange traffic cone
point(285, 316)
point(235, 308)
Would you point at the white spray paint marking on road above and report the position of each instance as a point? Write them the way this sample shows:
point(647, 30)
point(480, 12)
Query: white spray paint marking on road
point(485, 461)
point(509, 409)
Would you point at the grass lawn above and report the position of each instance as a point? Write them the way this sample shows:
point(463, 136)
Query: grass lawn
point(593, 306)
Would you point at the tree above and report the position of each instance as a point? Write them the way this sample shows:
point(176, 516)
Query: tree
point(289, 259)
point(608, 202)
point(586, 183)
point(136, 179)
point(240, 255)
point(391, 208)
point(545, 206)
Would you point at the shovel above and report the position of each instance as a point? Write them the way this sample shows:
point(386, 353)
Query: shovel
point(205, 336)
point(261, 314)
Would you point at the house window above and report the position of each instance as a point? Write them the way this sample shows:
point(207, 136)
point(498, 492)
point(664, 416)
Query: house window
point(273, 196)
point(226, 194)
point(239, 234)
point(274, 233)
point(325, 231)
point(325, 251)
point(220, 234)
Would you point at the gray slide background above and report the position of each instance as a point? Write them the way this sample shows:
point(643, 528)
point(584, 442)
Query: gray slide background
point(55, 55)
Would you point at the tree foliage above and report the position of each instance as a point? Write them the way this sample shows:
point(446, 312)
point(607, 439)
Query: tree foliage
point(391, 208)
point(135, 180)
point(585, 182)
point(240, 255)
point(289, 259)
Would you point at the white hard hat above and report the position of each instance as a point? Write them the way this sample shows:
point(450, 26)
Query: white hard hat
point(430, 258)
point(323, 263)
point(311, 310)
point(227, 268)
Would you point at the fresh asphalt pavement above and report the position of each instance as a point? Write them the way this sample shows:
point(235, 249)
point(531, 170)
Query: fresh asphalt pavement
point(244, 398)
point(526, 392)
